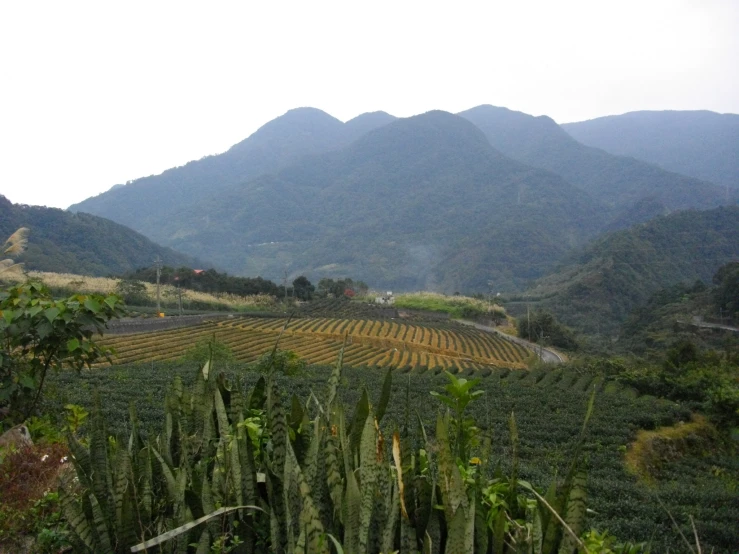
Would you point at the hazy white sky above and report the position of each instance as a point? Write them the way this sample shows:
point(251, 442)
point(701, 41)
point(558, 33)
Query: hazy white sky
point(98, 93)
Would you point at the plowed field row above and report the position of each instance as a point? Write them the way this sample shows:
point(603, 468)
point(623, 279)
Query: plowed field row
point(378, 343)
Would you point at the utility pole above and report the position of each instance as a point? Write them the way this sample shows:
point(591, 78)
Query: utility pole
point(528, 321)
point(179, 294)
point(284, 283)
point(158, 265)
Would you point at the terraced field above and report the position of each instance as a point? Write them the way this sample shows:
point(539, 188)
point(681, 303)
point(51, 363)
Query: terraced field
point(370, 342)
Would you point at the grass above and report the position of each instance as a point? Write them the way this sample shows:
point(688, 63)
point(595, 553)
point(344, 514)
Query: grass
point(456, 306)
point(103, 285)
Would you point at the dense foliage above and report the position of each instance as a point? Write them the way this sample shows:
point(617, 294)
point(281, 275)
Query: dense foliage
point(543, 328)
point(206, 281)
point(81, 243)
point(549, 406)
point(596, 290)
point(38, 334)
point(727, 291)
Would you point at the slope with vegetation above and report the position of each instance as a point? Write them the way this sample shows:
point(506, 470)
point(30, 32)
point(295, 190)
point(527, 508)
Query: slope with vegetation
point(701, 144)
point(64, 242)
point(598, 288)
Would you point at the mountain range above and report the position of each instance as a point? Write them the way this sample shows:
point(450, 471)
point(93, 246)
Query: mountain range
point(701, 144)
point(440, 201)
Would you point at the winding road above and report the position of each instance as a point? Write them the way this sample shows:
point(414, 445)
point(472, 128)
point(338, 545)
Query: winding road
point(545, 354)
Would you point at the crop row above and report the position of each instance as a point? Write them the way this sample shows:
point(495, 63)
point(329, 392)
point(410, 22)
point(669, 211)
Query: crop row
point(450, 341)
point(371, 343)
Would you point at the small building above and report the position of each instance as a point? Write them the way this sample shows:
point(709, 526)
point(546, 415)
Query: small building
point(387, 299)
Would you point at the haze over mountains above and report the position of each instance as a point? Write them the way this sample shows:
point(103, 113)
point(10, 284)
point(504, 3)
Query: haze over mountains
point(701, 144)
point(440, 201)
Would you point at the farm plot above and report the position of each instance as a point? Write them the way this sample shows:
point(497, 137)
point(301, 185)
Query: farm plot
point(373, 343)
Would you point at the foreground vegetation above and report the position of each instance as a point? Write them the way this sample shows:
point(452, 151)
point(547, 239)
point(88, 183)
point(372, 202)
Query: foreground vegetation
point(549, 406)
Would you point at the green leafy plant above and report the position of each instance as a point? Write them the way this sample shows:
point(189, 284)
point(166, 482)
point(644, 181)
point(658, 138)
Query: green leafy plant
point(39, 333)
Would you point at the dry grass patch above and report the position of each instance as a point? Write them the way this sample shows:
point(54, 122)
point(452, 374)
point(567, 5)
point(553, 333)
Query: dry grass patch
point(103, 285)
point(652, 449)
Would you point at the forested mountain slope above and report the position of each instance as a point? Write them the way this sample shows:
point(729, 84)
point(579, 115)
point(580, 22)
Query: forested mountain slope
point(142, 204)
point(596, 289)
point(84, 244)
point(616, 180)
point(701, 144)
point(401, 207)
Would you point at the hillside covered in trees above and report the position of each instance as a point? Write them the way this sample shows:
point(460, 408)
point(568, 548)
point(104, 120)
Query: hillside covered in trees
point(85, 244)
point(701, 144)
point(596, 289)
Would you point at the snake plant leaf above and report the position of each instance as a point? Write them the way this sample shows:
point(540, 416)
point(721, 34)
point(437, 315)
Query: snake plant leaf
point(75, 517)
point(575, 514)
point(169, 476)
point(358, 422)
point(258, 395)
point(312, 533)
point(311, 458)
point(384, 399)
point(461, 531)
point(101, 476)
point(101, 531)
point(352, 510)
point(391, 523)
point(368, 479)
point(335, 378)
point(334, 468)
point(278, 429)
point(453, 491)
point(80, 458)
point(221, 415)
point(248, 471)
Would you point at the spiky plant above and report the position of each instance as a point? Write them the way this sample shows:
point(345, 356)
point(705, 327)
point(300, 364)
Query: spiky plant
point(15, 245)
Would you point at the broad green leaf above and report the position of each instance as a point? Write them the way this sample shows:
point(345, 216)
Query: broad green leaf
point(51, 313)
point(92, 305)
point(73, 344)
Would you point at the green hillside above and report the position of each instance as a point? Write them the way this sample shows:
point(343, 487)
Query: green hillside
point(597, 289)
point(396, 208)
point(616, 180)
point(84, 244)
point(144, 203)
point(701, 144)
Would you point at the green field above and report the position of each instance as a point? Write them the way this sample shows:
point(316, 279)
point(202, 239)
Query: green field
point(549, 406)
